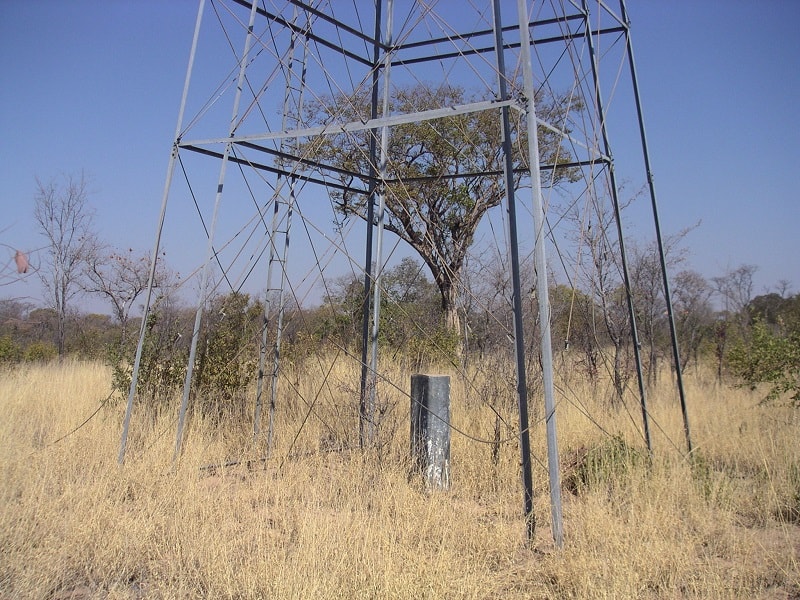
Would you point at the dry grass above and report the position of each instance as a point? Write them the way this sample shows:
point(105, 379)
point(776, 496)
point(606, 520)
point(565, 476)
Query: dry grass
point(320, 520)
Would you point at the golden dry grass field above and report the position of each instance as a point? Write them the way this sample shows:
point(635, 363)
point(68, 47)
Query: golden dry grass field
point(319, 521)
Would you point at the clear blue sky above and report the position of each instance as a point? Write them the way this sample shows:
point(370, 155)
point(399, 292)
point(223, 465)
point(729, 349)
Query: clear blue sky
point(95, 85)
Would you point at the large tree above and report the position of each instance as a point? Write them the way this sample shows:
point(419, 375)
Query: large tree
point(442, 175)
point(64, 217)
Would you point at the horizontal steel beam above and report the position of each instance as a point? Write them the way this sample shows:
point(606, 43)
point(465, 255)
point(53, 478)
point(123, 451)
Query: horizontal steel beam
point(353, 126)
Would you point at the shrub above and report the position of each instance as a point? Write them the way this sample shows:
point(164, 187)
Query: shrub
point(228, 356)
point(771, 358)
point(163, 362)
point(10, 352)
point(41, 352)
point(601, 464)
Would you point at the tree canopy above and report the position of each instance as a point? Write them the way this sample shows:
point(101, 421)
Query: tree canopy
point(442, 175)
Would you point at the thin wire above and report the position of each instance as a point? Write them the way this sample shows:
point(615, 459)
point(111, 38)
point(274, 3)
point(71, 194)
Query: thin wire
point(200, 214)
point(71, 432)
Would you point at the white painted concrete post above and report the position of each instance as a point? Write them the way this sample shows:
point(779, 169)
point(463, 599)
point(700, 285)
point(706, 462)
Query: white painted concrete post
point(430, 429)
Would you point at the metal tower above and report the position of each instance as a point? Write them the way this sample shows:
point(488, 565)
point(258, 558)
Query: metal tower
point(273, 87)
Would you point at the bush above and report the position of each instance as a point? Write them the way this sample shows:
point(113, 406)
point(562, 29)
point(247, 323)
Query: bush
point(10, 352)
point(164, 357)
point(601, 464)
point(771, 358)
point(228, 356)
point(41, 352)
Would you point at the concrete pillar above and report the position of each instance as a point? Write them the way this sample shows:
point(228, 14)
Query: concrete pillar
point(430, 429)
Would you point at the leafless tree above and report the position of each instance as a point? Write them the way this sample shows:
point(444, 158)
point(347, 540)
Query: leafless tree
point(65, 220)
point(692, 305)
point(735, 290)
point(120, 277)
point(647, 287)
point(601, 272)
point(735, 287)
point(783, 288)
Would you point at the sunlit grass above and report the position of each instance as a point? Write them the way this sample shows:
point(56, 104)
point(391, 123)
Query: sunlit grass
point(319, 518)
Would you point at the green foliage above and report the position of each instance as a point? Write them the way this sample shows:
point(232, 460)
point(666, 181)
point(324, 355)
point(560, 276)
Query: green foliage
point(92, 334)
point(434, 348)
point(164, 357)
point(339, 321)
point(411, 324)
point(602, 464)
point(41, 352)
point(228, 357)
point(10, 352)
point(574, 329)
point(776, 310)
point(424, 156)
point(410, 327)
point(771, 357)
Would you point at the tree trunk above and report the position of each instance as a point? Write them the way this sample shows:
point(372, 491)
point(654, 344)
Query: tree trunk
point(62, 335)
point(722, 333)
point(61, 310)
point(450, 316)
point(619, 383)
point(452, 320)
point(652, 373)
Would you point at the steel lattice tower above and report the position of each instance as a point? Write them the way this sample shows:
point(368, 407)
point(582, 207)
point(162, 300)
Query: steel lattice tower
point(270, 82)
